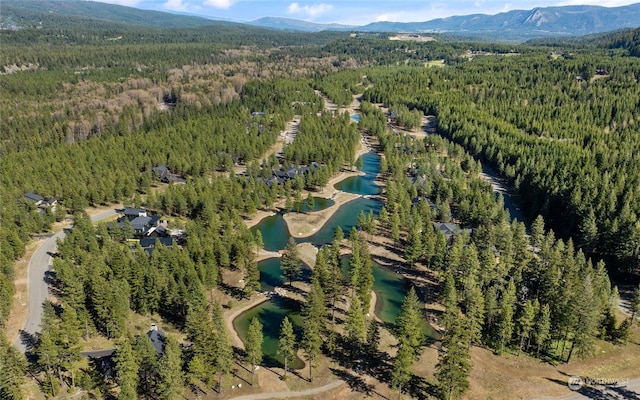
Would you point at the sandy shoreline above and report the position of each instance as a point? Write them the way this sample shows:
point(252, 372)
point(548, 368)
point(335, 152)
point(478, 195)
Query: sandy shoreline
point(255, 300)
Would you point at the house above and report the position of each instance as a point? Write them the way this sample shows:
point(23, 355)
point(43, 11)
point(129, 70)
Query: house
point(141, 225)
point(166, 176)
point(149, 243)
point(156, 231)
point(141, 222)
point(34, 198)
point(449, 229)
point(157, 337)
point(132, 213)
point(41, 202)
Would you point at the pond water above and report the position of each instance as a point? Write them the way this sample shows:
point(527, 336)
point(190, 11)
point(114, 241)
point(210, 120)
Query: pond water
point(271, 275)
point(319, 203)
point(390, 287)
point(271, 314)
point(363, 185)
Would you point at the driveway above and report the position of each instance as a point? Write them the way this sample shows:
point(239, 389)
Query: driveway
point(39, 265)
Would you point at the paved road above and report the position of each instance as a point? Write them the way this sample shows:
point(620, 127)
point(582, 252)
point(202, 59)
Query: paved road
point(628, 391)
point(282, 395)
point(37, 286)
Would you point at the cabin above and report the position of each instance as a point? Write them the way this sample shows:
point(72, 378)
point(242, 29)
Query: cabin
point(165, 175)
point(41, 202)
point(449, 229)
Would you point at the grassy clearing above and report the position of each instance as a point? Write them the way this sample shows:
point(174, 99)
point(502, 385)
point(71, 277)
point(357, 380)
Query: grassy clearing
point(435, 63)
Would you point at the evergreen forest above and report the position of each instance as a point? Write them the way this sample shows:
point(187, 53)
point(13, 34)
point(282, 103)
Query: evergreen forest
point(89, 111)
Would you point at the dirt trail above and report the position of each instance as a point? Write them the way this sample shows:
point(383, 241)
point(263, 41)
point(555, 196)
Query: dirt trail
point(282, 395)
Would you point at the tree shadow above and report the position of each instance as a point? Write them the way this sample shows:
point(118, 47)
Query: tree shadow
point(420, 388)
point(29, 340)
point(356, 383)
point(233, 291)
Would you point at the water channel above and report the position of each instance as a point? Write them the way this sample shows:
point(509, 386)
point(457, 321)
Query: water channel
point(390, 287)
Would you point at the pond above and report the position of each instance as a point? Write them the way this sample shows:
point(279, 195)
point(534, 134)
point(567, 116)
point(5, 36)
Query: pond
point(389, 286)
point(363, 185)
point(271, 275)
point(271, 314)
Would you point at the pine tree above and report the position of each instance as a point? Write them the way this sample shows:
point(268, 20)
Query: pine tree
point(505, 323)
point(222, 348)
point(634, 307)
point(314, 316)
point(414, 248)
point(47, 353)
point(401, 372)
point(286, 342)
point(537, 232)
point(290, 261)
point(410, 337)
point(148, 363)
point(410, 323)
point(254, 345)
point(259, 241)
point(373, 337)
point(526, 321)
point(127, 367)
point(586, 323)
point(454, 359)
point(13, 366)
point(356, 325)
point(542, 329)
point(475, 313)
point(170, 376)
point(251, 278)
point(310, 202)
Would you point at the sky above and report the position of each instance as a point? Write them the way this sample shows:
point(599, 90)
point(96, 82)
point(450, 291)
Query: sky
point(349, 12)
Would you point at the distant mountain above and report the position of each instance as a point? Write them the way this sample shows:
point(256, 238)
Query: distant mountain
point(289, 24)
point(513, 25)
point(517, 24)
point(548, 21)
point(32, 13)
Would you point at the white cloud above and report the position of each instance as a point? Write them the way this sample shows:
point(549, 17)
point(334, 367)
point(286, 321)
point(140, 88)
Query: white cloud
point(175, 5)
point(310, 11)
point(388, 17)
point(225, 4)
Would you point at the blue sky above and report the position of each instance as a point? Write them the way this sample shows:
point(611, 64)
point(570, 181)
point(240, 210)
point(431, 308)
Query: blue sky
point(355, 12)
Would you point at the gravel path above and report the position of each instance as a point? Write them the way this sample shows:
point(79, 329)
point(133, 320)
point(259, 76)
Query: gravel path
point(282, 395)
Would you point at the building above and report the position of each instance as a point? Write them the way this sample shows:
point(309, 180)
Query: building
point(165, 175)
point(157, 337)
point(41, 202)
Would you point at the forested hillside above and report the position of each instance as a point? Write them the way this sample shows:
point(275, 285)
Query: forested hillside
point(563, 128)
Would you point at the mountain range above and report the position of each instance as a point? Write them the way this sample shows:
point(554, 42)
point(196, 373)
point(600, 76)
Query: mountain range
point(514, 25)
point(538, 22)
